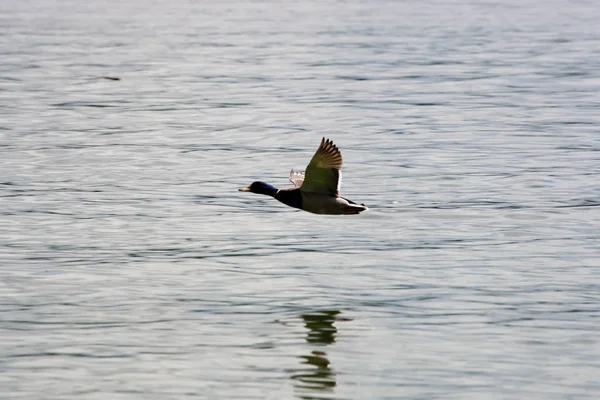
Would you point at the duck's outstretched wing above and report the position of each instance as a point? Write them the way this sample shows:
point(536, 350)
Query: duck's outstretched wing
point(296, 178)
point(323, 173)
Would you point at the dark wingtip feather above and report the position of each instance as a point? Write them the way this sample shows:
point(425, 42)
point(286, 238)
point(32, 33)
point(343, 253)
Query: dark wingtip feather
point(332, 150)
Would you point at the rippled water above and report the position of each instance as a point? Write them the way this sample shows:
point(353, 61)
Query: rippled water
point(131, 267)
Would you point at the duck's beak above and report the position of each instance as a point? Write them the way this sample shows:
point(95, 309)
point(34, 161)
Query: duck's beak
point(246, 189)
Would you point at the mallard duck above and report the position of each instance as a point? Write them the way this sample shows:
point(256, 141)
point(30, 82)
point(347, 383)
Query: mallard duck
point(317, 191)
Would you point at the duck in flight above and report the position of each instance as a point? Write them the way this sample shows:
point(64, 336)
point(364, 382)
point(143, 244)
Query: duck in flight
point(318, 189)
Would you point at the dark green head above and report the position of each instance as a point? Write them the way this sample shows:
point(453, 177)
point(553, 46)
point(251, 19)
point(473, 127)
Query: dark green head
point(260, 188)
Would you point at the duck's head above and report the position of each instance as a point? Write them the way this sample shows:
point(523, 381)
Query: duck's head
point(260, 188)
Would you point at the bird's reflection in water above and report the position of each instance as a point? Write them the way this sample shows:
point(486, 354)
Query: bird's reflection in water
point(320, 326)
point(316, 375)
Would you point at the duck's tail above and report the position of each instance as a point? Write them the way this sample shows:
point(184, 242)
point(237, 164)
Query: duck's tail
point(354, 209)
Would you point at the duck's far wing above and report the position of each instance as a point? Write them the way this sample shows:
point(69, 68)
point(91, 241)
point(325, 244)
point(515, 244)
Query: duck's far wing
point(296, 178)
point(323, 173)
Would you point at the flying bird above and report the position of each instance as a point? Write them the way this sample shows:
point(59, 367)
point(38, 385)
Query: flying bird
point(318, 189)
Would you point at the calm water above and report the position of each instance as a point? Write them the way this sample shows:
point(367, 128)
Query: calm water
point(131, 268)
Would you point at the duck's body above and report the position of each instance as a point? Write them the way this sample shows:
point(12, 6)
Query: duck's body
point(319, 191)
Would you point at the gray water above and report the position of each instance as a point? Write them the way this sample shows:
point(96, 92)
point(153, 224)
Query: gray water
point(132, 268)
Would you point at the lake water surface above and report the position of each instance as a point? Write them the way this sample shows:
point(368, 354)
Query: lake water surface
point(132, 268)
